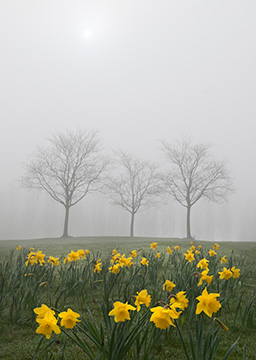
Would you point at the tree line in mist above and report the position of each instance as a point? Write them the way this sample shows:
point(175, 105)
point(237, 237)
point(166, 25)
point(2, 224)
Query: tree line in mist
point(73, 165)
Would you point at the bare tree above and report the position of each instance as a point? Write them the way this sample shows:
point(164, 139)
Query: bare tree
point(195, 175)
point(68, 169)
point(137, 187)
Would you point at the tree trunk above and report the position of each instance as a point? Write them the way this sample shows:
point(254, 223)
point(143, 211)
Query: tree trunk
point(65, 230)
point(188, 222)
point(132, 224)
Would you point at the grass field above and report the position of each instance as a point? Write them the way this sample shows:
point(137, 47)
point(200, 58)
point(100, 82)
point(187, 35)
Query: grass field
point(18, 339)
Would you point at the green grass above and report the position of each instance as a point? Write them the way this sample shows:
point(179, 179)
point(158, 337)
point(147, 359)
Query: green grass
point(19, 341)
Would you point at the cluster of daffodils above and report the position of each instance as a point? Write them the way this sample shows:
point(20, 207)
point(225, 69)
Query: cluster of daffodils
point(118, 261)
point(49, 323)
point(165, 314)
point(162, 317)
point(191, 252)
point(229, 273)
point(76, 255)
point(37, 257)
point(169, 250)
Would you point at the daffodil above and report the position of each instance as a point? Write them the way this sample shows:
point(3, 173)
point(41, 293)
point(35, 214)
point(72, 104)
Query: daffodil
point(204, 276)
point(158, 254)
point(144, 261)
point(208, 303)
point(176, 248)
point(142, 297)
point(189, 256)
point(53, 261)
point(235, 272)
point(114, 269)
point(115, 258)
point(179, 300)
point(168, 285)
point(98, 266)
point(81, 253)
point(216, 246)
point(121, 311)
point(31, 259)
point(73, 256)
point(114, 252)
point(41, 311)
point(153, 245)
point(225, 274)
point(192, 248)
point(197, 252)
point(163, 317)
point(212, 253)
point(169, 250)
point(223, 260)
point(203, 264)
point(133, 253)
point(18, 247)
point(47, 325)
point(40, 257)
point(69, 318)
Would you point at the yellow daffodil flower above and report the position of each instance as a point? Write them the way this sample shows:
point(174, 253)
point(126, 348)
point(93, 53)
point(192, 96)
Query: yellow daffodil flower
point(223, 260)
point(180, 300)
point(144, 261)
point(153, 245)
point(98, 266)
point(41, 311)
point(176, 248)
point(204, 276)
point(208, 303)
point(235, 272)
point(189, 256)
point(121, 311)
point(168, 285)
point(68, 319)
point(169, 250)
point(212, 253)
point(81, 253)
point(134, 253)
point(114, 269)
point(53, 261)
point(73, 256)
point(216, 246)
point(203, 264)
point(225, 274)
point(163, 317)
point(47, 325)
point(142, 297)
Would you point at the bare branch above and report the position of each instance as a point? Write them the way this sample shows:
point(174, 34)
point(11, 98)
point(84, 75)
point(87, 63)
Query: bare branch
point(69, 168)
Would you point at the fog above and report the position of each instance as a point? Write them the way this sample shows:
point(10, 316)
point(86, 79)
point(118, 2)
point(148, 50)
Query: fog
point(139, 72)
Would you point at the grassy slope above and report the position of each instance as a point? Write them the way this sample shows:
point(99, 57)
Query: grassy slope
point(61, 246)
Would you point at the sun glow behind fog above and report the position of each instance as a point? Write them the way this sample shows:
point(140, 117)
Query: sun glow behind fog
point(87, 34)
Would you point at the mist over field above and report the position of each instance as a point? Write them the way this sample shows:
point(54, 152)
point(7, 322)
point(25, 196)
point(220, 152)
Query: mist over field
point(139, 73)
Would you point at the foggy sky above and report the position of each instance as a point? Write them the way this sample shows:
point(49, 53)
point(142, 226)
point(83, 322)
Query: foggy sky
point(149, 71)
